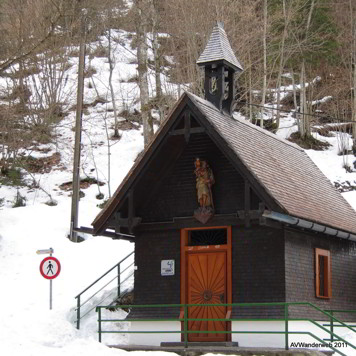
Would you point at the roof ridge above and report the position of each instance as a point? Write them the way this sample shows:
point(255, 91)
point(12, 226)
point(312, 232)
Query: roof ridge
point(247, 123)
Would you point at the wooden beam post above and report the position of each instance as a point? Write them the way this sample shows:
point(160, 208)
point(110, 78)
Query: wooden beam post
point(117, 217)
point(131, 210)
point(261, 208)
point(247, 204)
point(187, 125)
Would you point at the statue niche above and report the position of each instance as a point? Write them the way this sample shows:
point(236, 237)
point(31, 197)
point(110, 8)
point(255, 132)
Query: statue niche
point(204, 181)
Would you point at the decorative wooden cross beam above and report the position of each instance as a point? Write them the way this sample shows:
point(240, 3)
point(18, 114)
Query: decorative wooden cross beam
point(131, 221)
point(188, 130)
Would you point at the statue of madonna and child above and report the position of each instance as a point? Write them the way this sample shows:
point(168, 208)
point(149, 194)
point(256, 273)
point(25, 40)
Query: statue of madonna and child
point(204, 181)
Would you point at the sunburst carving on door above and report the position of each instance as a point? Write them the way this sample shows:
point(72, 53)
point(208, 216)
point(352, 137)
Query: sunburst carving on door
point(206, 285)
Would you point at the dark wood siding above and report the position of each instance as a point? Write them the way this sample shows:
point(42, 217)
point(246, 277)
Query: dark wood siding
point(300, 273)
point(258, 270)
point(150, 287)
point(268, 265)
point(176, 194)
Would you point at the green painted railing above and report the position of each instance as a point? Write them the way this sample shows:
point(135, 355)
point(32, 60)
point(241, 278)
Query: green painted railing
point(332, 324)
point(186, 319)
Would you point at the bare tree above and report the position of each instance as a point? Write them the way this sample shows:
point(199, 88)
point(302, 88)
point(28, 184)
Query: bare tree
point(142, 23)
point(156, 47)
point(26, 28)
point(112, 91)
point(264, 41)
point(353, 62)
point(287, 18)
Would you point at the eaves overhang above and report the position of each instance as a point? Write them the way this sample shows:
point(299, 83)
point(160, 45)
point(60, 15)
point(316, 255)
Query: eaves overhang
point(308, 225)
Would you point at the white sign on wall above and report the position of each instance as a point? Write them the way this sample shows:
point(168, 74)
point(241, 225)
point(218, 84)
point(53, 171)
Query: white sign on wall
point(167, 268)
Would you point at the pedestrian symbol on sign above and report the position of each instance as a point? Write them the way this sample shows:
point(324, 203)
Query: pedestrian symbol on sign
point(49, 268)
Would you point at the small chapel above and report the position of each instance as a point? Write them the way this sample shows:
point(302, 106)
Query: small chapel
point(225, 212)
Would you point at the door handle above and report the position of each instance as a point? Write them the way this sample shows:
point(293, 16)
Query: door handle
point(222, 297)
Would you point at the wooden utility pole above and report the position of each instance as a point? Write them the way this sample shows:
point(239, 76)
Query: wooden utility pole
point(78, 135)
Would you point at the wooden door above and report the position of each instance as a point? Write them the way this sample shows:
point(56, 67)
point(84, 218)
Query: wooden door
point(206, 284)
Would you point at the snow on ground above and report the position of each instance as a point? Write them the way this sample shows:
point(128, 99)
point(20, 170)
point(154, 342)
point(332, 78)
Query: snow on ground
point(332, 163)
point(287, 126)
point(28, 327)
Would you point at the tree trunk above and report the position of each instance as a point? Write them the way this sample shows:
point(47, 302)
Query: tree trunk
point(281, 63)
point(305, 119)
point(250, 88)
point(156, 57)
point(310, 16)
point(264, 40)
point(304, 107)
point(155, 45)
point(295, 101)
point(112, 92)
point(141, 30)
point(302, 102)
point(353, 72)
point(294, 91)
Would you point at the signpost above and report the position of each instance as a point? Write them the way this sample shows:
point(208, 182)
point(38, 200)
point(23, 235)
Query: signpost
point(50, 268)
point(45, 252)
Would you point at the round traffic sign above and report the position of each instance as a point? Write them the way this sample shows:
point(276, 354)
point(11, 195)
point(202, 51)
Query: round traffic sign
point(50, 267)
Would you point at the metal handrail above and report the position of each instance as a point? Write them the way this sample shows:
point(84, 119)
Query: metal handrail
point(94, 307)
point(118, 277)
point(104, 274)
point(130, 265)
point(332, 325)
point(130, 275)
point(185, 320)
point(105, 285)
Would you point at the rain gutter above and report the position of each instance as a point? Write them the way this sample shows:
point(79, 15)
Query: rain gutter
point(308, 225)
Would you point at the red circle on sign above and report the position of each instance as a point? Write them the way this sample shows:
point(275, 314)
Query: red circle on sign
point(54, 275)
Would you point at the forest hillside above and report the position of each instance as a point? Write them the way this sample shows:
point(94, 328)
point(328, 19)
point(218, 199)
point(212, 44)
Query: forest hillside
point(298, 82)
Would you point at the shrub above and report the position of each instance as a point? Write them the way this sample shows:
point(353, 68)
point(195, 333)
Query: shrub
point(99, 196)
point(19, 200)
point(51, 202)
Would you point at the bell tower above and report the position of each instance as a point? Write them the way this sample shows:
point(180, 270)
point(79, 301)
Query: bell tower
point(220, 64)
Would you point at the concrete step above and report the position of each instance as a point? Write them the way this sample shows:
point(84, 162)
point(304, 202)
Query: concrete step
point(225, 350)
point(201, 344)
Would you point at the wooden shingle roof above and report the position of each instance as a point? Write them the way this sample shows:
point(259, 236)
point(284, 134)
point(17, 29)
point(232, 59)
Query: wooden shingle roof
point(284, 169)
point(290, 179)
point(218, 48)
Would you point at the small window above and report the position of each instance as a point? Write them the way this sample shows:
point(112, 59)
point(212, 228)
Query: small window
point(322, 273)
point(208, 237)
